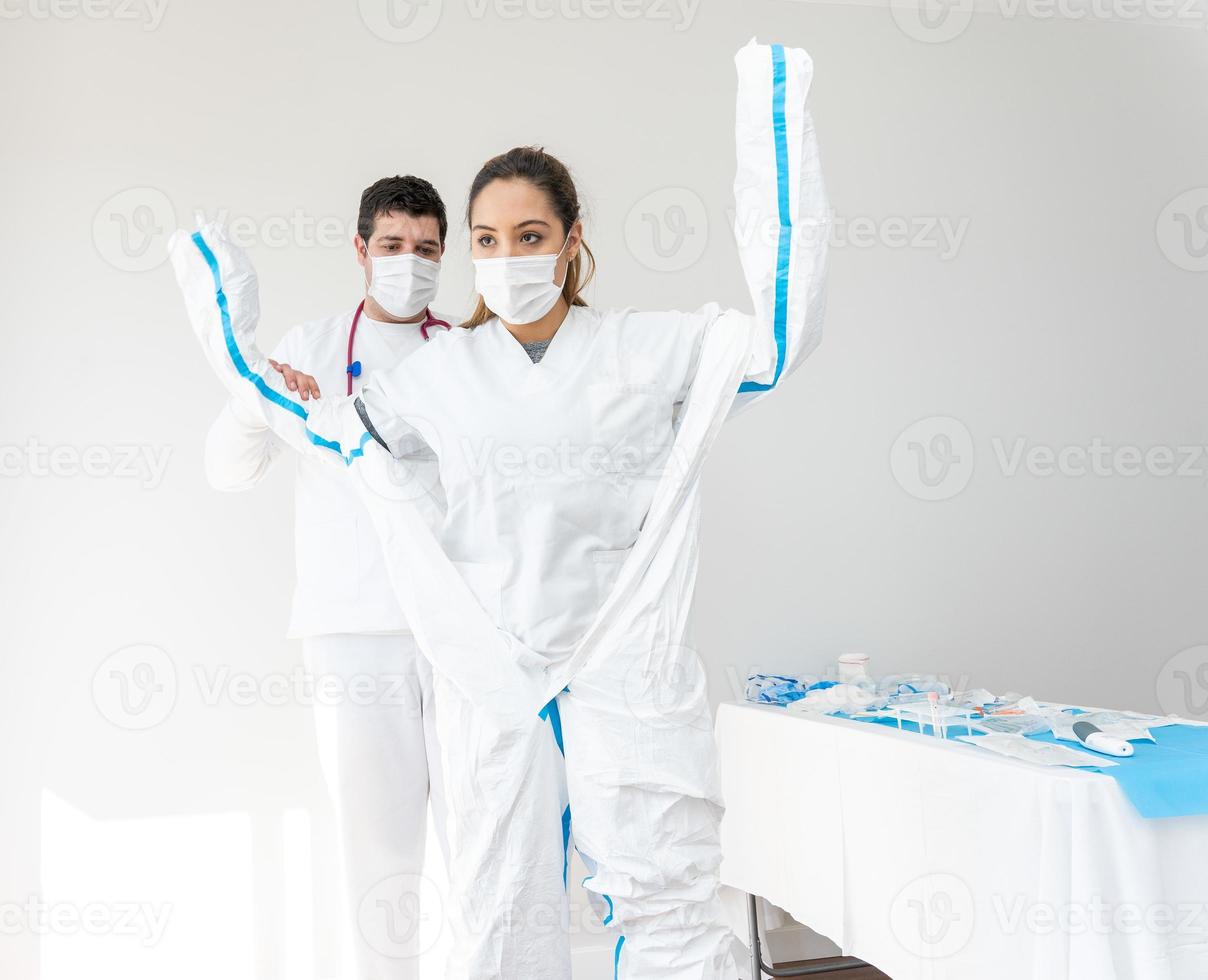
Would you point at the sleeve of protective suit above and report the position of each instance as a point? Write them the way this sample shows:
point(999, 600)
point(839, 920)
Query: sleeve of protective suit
point(221, 295)
point(782, 218)
point(240, 449)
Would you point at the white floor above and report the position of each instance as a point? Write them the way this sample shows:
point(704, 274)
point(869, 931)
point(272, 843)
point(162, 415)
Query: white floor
point(266, 893)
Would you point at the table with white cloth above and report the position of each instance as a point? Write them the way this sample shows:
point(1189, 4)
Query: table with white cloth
point(937, 860)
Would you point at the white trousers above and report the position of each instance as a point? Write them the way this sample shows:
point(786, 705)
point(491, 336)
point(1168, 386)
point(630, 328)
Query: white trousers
point(621, 766)
point(376, 737)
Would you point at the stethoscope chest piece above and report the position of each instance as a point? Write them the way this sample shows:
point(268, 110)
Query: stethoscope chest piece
point(353, 370)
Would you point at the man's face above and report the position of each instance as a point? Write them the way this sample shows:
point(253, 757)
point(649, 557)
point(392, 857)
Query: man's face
point(395, 233)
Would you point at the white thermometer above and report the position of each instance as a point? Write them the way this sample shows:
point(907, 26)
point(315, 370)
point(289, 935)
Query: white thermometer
point(1095, 740)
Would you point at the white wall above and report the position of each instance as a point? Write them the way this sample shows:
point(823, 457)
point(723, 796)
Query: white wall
point(1067, 312)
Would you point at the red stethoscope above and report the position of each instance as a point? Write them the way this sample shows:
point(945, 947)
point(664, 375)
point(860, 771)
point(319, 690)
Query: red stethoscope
point(353, 369)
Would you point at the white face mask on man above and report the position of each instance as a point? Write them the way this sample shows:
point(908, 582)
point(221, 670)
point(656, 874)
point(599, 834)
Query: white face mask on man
point(403, 285)
point(520, 288)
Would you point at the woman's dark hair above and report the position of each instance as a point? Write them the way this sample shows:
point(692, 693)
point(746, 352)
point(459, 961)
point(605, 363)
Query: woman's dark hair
point(549, 175)
point(408, 195)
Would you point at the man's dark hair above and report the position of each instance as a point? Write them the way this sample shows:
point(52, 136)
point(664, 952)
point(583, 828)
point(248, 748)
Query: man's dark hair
point(410, 195)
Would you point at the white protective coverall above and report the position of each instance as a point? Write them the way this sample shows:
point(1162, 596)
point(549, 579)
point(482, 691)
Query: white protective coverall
point(554, 605)
point(374, 719)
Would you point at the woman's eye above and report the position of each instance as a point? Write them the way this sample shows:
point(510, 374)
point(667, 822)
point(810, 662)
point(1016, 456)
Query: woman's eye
point(486, 241)
point(530, 238)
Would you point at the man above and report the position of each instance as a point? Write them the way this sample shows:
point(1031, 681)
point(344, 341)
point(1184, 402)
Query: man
point(373, 716)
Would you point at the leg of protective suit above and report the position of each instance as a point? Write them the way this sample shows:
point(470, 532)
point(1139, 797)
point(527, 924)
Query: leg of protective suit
point(645, 810)
point(370, 696)
point(505, 790)
point(437, 806)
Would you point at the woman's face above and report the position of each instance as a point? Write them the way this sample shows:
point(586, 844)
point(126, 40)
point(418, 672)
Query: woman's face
point(512, 217)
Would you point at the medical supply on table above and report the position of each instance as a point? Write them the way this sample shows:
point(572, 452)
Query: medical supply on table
point(933, 708)
point(977, 698)
point(827, 698)
point(782, 689)
point(1029, 750)
point(932, 715)
point(894, 685)
point(854, 692)
point(1162, 762)
point(850, 671)
point(1013, 704)
point(1117, 724)
point(1014, 724)
point(1098, 741)
point(853, 668)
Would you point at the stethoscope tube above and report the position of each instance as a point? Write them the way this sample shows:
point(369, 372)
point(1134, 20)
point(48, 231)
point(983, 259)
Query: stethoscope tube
point(353, 368)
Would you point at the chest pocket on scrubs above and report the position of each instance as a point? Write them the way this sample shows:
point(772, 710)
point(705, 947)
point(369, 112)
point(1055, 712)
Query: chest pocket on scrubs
point(630, 427)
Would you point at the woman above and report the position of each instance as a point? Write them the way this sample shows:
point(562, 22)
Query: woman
point(569, 443)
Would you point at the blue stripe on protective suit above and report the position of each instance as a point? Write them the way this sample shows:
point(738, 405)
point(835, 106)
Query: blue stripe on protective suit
point(565, 844)
point(607, 920)
point(551, 714)
point(262, 386)
point(785, 243)
point(616, 959)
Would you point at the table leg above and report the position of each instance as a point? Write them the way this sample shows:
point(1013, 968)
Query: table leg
point(753, 932)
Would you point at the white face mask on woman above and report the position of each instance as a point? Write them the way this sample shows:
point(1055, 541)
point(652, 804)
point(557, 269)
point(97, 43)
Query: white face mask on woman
point(520, 288)
point(403, 285)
